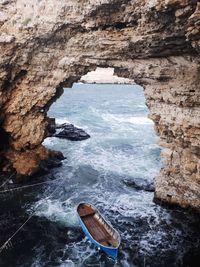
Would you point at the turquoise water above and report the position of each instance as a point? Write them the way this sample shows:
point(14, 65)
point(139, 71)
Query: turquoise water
point(123, 148)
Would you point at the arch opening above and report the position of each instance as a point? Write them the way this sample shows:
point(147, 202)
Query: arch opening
point(113, 113)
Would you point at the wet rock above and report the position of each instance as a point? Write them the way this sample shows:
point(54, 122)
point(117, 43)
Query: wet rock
point(53, 161)
point(71, 132)
point(34, 162)
point(51, 126)
point(139, 184)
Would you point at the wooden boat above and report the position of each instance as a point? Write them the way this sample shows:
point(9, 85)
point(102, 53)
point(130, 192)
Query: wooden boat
point(100, 232)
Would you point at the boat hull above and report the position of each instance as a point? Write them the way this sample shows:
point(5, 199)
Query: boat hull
point(111, 251)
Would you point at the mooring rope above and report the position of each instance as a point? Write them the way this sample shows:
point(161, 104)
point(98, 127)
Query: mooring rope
point(7, 180)
point(8, 243)
point(27, 186)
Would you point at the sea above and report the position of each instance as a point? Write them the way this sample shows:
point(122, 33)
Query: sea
point(114, 170)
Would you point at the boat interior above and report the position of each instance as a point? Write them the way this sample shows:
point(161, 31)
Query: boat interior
point(97, 227)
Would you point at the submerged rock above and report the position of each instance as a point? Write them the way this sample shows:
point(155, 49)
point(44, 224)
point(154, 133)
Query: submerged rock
point(71, 132)
point(139, 184)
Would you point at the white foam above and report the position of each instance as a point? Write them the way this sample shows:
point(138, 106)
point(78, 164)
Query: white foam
point(67, 263)
point(62, 120)
point(49, 141)
point(130, 205)
point(107, 160)
point(126, 119)
point(56, 211)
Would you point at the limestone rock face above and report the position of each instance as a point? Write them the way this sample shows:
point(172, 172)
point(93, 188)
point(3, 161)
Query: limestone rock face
point(45, 45)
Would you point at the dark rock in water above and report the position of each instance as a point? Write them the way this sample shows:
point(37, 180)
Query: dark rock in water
point(68, 131)
point(139, 184)
point(57, 155)
point(71, 132)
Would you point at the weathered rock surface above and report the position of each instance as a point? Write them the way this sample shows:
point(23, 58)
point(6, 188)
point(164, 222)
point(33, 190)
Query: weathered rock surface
point(45, 45)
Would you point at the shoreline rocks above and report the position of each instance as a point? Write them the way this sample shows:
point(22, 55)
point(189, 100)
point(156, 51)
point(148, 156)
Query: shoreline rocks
point(66, 131)
point(33, 163)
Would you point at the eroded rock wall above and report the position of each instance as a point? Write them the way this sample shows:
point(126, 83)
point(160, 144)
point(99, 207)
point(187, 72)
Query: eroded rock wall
point(47, 44)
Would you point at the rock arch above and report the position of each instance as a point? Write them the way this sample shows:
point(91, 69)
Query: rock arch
point(48, 45)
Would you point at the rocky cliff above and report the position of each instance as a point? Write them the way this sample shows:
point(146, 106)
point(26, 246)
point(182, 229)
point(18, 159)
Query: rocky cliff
point(45, 45)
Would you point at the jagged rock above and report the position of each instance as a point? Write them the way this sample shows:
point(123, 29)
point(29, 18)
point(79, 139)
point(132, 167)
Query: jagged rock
point(72, 133)
point(34, 161)
point(69, 131)
point(156, 43)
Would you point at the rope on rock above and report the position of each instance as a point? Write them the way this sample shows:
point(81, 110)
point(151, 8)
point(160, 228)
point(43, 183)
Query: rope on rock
point(8, 243)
